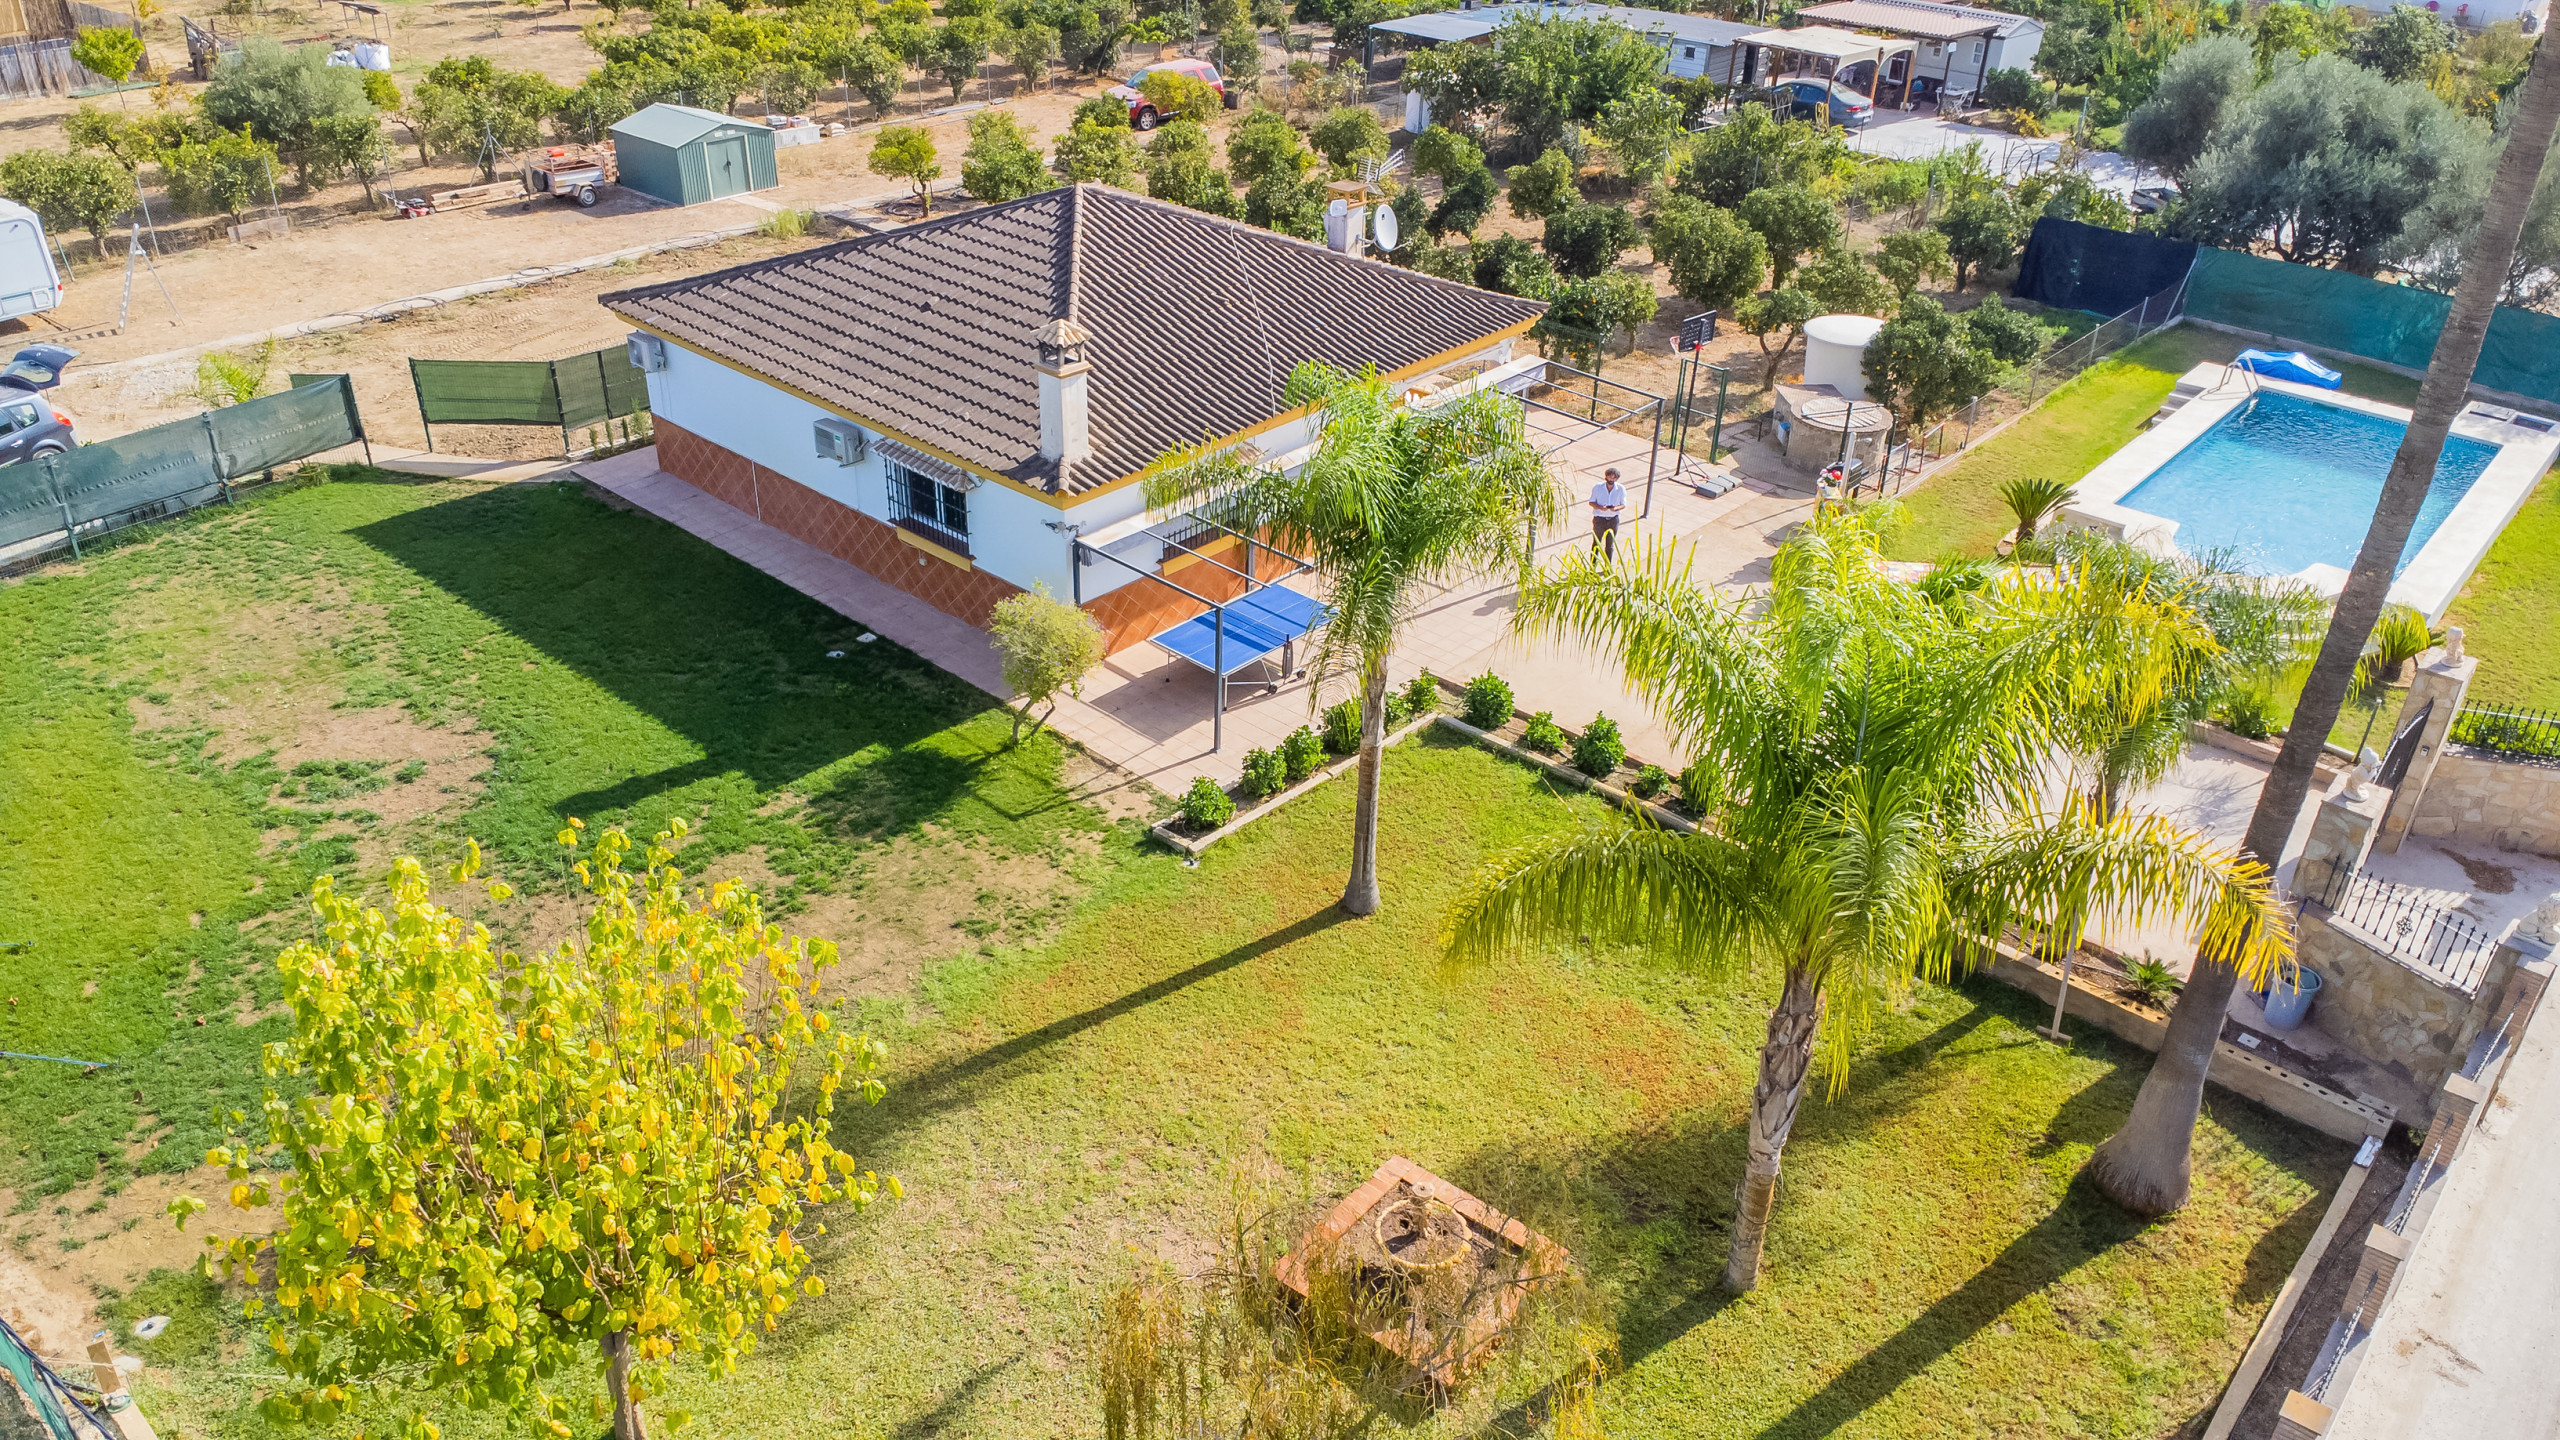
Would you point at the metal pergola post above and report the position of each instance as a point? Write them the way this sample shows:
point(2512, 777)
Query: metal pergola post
point(1077, 549)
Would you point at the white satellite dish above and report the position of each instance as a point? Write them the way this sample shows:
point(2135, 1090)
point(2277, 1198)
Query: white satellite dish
point(1382, 224)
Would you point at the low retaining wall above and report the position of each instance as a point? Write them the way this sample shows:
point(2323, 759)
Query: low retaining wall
point(2482, 801)
point(2248, 1076)
point(2403, 1018)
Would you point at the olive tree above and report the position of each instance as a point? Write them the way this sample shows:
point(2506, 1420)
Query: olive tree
point(498, 1167)
point(1046, 645)
point(2198, 90)
point(2330, 161)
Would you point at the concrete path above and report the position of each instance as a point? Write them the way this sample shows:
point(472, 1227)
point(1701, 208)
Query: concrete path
point(2469, 1348)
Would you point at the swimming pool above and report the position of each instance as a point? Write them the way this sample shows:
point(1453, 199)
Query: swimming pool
point(2283, 483)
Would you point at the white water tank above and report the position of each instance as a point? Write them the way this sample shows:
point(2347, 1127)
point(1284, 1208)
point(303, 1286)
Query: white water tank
point(1833, 347)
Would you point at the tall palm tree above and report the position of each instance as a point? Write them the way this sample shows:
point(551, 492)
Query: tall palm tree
point(1872, 782)
point(2144, 1165)
point(1396, 501)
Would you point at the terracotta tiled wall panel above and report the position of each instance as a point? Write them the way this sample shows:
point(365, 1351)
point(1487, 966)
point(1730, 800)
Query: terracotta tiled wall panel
point(1143, 608)
point(849, 535)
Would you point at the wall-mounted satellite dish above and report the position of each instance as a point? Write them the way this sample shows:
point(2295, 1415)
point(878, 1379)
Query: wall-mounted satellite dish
point(1382, 225)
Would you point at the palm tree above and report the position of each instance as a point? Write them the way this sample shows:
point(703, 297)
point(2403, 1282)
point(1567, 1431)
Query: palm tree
point(1872, 787)
point(2144, 1165)
point(1396, 501)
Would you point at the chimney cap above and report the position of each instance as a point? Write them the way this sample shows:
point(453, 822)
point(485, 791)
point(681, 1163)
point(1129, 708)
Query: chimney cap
point(1062, 343)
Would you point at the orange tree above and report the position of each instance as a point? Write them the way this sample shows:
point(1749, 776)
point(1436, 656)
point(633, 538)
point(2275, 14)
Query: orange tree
point(504, 1167)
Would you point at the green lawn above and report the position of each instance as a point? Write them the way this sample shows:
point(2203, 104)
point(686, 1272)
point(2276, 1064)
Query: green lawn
point(2510, 612)
point(580, 638)
point(2088, 419)
point(1068, 1101)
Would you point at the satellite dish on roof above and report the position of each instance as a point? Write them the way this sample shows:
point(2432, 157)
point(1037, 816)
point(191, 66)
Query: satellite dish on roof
point(1382, 225)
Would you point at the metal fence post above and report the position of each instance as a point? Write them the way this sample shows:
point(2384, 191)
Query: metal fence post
point(53, 477)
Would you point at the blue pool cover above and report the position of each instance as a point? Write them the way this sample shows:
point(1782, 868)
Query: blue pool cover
point(2283, 483)
point(2291, 365)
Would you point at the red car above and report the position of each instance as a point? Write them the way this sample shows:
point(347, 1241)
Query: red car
point(1142, 113)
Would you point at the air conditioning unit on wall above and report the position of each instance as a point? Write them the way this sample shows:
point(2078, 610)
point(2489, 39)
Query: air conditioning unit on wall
point(648, 353)
point(842, 441)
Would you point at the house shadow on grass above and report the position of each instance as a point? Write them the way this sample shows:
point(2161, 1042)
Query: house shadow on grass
point(723, 655)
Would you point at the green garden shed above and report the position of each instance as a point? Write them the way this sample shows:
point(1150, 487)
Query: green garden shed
point(687, 156)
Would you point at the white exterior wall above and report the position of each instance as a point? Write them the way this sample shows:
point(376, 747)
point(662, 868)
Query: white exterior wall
point(1008, 530)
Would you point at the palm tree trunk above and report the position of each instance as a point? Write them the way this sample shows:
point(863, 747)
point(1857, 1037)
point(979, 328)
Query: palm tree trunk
point(1360, 897)
point(617, 1374)
point(2144, 1165)
point(1786, 1058)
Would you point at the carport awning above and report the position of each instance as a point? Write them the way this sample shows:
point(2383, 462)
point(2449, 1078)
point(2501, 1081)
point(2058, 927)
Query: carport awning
point(1841, 45)
point(1440, 28)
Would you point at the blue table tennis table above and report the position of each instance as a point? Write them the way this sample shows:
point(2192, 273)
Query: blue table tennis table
point(1243, 633)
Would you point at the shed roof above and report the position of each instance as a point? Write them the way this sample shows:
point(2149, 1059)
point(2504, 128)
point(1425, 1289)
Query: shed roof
point(676, 124)
point(1928, 19)
point(928, 331)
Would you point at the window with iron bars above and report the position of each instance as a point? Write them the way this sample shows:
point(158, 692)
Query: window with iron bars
point(928, 501)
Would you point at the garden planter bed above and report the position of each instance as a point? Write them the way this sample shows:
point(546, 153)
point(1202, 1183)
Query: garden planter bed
point(1617, 787)
point(1172, 833)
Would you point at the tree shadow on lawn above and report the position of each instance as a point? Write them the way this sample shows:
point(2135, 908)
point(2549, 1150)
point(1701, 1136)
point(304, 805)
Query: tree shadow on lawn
point(716, 651)
point(1680, 1177)
point(962, 1082)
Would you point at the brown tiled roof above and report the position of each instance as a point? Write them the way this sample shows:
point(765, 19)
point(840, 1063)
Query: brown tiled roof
point(1196, 321)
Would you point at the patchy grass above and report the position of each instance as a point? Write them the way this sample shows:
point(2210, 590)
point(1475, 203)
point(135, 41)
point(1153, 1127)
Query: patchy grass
point(611, 667)
point(2082, 423)
point(1064, 1113)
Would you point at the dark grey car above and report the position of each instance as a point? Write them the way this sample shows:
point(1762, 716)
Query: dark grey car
point(30, 426)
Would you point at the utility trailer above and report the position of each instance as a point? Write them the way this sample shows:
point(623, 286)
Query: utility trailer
point(573, 172)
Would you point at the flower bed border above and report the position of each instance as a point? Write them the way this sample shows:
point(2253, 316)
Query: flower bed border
point(1193, 845)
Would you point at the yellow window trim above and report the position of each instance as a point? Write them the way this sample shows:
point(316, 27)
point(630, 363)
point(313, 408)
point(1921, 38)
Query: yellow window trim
point(1055, 501)
point(939, 552)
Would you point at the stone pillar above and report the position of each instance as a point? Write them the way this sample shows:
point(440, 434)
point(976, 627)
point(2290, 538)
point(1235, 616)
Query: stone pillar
point(2444, 676)
point(2340, 835)
point(2457, 1105)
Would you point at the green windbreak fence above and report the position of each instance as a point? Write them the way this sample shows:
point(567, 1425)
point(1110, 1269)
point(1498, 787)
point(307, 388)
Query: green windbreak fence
point(169, 468)
point(2080, 267)
point(566, 394)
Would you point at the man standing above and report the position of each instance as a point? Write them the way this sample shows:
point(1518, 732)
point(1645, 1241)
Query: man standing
point(1608, 502)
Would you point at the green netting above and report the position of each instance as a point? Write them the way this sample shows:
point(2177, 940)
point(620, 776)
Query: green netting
point(31, 1402)
point(565, 394)
point(171, 467)
point(485, 392)
point(2396, 324)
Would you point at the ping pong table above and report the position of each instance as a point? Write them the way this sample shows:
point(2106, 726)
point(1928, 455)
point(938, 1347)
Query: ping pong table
point(1271, 618)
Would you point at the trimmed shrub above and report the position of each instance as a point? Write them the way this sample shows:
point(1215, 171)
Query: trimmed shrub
point(1544, 735)
point(1398, 711)
point(1693, 792)
point(1301, 753)
point(1599, 748)
point(1266, 772)
point(1651, 781)
point(1342, 727)
point(1205, 806)
point(1488, 702)
point(1422, 694)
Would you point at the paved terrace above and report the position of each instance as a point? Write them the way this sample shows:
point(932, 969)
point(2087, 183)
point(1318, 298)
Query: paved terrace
point(1149, 714)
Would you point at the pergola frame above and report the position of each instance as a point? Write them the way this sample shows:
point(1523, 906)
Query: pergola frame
point(1844, 48)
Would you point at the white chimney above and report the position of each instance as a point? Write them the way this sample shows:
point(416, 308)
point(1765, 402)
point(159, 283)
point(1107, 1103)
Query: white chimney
point(1066, 427)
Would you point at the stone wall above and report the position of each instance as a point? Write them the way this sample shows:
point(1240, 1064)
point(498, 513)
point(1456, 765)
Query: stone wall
point(2399, 1017)
point(2476, 800)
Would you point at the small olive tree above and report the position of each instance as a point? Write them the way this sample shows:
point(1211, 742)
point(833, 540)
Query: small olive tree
point(503, 1166)
point(1047, 645)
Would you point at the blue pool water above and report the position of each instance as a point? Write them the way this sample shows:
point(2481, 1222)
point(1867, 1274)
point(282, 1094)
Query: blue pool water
point(2284, 483)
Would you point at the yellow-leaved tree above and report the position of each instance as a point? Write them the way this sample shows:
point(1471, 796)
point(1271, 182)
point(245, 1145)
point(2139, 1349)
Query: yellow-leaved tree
point(507, 1168)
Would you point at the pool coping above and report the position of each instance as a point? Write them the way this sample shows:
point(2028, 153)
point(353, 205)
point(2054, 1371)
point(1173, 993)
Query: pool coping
point(2441, 567)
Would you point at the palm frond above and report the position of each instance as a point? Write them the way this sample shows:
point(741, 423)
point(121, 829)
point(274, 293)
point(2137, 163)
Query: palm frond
point(1689, 899)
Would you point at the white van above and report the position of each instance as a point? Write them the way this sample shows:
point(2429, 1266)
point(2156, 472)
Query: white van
point(28, 280)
